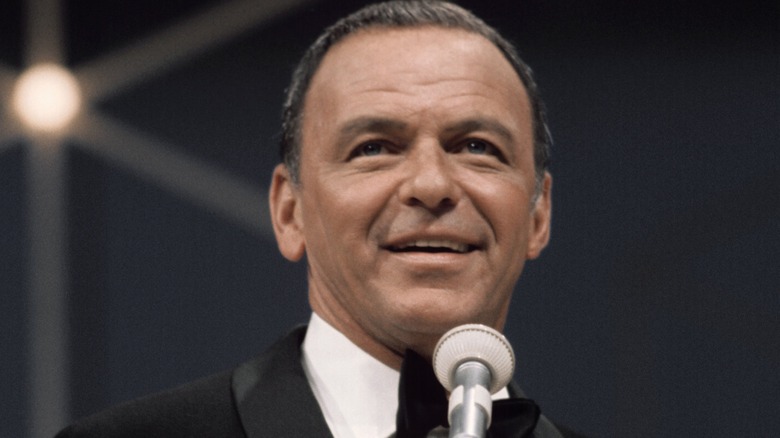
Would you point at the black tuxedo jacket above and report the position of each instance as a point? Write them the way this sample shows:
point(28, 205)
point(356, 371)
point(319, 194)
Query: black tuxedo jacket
point(266, 397)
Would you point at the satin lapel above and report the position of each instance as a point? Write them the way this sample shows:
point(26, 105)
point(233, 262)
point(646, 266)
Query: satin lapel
point(514, 390)
point(544, 427)
point(273, 396)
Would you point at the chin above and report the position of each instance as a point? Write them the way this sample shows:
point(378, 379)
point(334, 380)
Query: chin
point(429, 314)
point(435, 321)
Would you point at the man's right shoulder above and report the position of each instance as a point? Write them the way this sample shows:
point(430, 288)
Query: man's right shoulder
point(206, 407)
point(203, 408)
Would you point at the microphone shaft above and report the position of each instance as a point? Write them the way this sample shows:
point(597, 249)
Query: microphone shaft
point(470, 419)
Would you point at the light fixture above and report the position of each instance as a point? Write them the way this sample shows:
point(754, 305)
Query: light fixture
point(47, 97)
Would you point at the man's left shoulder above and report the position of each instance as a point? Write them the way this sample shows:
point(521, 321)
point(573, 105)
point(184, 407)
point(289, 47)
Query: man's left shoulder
point(202, 408)
point(546, 429)
point(568, 433)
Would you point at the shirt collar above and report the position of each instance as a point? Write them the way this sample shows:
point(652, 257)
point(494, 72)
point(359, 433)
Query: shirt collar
point(357, 393)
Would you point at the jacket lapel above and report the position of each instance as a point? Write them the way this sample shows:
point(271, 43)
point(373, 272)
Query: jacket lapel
point(272, 394)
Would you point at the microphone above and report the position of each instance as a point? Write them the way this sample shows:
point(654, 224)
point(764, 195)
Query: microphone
point(472, 361)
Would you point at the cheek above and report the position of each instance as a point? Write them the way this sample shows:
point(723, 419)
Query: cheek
point(342, 211)
point(364, 196)
point(505, 204)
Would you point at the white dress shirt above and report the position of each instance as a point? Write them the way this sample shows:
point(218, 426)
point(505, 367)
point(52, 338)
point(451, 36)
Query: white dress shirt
point(357, 393)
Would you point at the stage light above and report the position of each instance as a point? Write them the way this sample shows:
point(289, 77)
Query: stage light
point(47, 97)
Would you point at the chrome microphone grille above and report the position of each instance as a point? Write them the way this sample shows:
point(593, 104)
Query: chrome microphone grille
point(474, 342)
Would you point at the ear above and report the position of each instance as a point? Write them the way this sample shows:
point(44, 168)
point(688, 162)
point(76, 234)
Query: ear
point(285, 209)
point(539, 232)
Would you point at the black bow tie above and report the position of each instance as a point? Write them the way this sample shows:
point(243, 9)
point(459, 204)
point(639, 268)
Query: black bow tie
point(422, 405)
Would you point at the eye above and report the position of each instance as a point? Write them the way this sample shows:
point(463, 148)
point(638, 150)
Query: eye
point(481, 147)
point(373, 148)
point(369, 149)
point(477, 147)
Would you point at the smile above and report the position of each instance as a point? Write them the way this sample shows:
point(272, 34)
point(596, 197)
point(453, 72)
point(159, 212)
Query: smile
point(433, 246)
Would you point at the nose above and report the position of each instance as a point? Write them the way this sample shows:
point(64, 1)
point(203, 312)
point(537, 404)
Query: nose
point(431, 180)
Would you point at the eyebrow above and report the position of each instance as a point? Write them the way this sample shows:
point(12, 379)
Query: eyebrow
point(481, 124)
point(370, 124)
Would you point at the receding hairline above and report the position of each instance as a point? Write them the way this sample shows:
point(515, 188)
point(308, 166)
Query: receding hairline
point(379, 29)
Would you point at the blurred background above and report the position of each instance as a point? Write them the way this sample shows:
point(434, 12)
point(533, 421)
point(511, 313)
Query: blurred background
point(136, 253)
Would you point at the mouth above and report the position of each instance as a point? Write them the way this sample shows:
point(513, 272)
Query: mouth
point(433, 246)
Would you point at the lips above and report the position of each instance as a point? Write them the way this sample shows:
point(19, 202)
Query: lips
point(433, 245)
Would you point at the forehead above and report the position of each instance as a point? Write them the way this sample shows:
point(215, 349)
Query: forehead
point(419, 70)
point(428, 48)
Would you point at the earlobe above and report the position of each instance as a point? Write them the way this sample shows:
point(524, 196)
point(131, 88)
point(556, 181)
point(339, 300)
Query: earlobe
point(285, 214)
point(539, 233)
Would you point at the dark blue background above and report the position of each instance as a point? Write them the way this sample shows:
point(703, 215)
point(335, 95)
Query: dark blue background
point(655, 311)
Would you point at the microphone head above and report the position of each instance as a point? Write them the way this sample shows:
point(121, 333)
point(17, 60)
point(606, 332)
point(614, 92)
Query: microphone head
point(474, 342)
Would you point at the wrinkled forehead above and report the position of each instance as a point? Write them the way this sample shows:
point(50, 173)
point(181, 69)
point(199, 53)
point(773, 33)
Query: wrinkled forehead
point(428, 55)
point(387, 39)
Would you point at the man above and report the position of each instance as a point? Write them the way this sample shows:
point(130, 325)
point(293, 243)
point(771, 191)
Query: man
point(414, 181)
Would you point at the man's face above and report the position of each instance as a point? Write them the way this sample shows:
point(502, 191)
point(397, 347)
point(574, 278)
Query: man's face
point(415, 204)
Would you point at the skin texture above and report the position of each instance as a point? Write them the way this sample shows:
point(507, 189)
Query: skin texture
point(412, 135)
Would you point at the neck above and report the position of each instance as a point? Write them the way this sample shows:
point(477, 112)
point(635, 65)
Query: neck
point(355, 333)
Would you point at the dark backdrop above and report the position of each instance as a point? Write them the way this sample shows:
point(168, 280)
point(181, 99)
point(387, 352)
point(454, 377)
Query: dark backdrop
point(654, 311)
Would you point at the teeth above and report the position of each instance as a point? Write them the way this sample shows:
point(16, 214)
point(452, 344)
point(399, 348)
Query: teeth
point(454, 246)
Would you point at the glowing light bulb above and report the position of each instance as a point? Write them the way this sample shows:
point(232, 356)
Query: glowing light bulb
point(47, 97)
